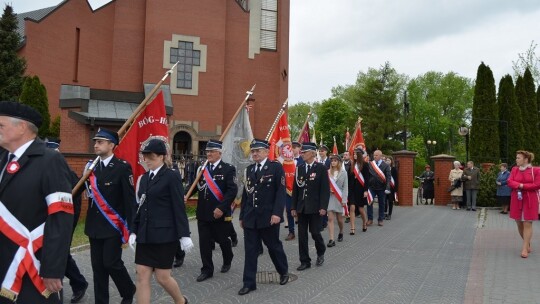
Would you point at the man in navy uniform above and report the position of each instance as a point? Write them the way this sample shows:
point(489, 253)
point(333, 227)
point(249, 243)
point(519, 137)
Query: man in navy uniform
point(35, 207)
point(290, 219)
point(311, 192)
point(217, 190)
point(261, 213)
point(77, 281)
point(110, 211)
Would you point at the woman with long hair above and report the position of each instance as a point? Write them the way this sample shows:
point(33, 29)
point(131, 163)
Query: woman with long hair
point(358, 187)
point(338, 197)
point(524, 181)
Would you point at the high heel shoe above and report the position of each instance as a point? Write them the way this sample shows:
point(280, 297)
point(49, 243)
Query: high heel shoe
point(364, 228)
point(352, 231)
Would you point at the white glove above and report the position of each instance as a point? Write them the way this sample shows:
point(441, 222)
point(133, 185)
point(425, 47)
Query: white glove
point(387, 191)
point(186, 244)
point(131, 241)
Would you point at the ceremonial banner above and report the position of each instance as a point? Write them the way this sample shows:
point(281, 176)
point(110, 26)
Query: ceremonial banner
point(304, 134)
point(236, 147)
point(281, 150)
point(151, 123)
point(358, 138)
point(334, 149)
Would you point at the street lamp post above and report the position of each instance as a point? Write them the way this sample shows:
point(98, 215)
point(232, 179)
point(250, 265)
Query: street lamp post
point(431, 144)
point(464, 131)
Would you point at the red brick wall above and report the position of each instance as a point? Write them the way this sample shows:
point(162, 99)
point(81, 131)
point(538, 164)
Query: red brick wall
point(443, 165)
point(404, 161)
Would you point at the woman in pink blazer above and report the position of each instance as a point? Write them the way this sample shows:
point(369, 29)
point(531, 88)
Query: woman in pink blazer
point(524, 181)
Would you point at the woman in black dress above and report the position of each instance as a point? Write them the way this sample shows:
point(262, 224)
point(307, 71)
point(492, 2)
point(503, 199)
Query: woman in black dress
point(160, 222)
point(391, 198)
point(429, 187)
point(358, 187)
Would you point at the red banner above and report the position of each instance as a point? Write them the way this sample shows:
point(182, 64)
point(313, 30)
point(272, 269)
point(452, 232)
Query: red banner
point(281, 150)
point(151, 123)
point(304, 134)
point(358, 139)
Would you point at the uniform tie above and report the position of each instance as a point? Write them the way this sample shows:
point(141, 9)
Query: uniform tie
point(211, 168)
point(258, 171)
point(152, 176)
point(11, 156)
point(308, 168)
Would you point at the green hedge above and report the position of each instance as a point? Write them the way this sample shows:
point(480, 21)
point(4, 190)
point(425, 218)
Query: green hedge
point(488, 188)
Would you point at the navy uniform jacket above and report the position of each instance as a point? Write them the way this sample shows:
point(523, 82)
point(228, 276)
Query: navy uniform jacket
point(224, 175)
point(42, 172)
point(311, 190)
point(116, 185)
point(263, 197)
point(161, 217)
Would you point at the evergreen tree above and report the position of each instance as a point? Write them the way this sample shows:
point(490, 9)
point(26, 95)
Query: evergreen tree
point(530, 115)
point(484, 145)
point(34, 95)
point(54, 130)
point(511, 133)
point(12, 66)
point(332, 123)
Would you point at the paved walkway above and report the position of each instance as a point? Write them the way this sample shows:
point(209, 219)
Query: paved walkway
point(425, 254)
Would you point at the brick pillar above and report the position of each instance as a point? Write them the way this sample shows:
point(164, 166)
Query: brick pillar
point(443, 165)
point(404, 161)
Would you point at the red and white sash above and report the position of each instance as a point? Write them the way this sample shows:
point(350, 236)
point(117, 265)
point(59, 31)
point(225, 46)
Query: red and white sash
point(24, 261)
point(359, 176)
point(393, 186)
point(337, 192)
point(378, 171)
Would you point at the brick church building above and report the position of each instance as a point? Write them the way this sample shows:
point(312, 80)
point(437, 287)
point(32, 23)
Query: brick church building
point(97, 65)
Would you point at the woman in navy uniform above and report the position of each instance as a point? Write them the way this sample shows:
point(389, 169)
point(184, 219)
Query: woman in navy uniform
point(159, 223)
point(311, 193)
point(35, 194)
point(261, 213)
point(214, 209)
point(113, 181)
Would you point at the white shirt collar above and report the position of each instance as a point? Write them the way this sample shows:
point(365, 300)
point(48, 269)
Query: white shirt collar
point(107, 160)
point(156, 171)
point(215, 164)
point(20, 151)
point(263, 162)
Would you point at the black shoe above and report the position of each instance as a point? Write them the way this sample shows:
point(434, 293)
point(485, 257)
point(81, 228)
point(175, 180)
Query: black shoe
point(127, 301)
point(178, 262)
point(320, 260)
point(245, 290)
point(340, 237)
point(234, 242)
point(388, 217)
point(303, 266)
point(203, 276)
point(225, 268)
point(468, 209)
point(473, 209)
point(347, 220)
point(283, 279)
point(324, 226)
point(331, 243)
point(79, 294)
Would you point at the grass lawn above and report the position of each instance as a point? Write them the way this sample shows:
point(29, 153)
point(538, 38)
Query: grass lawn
point(79, 238)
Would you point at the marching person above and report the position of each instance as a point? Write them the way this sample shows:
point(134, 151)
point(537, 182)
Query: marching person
point(290, 219)
point(77, 281)
point(311, 193)
point(36, 210)
point(379, 185)
point(112, 204)
point(359, 178)
point(217, 190)
point(160, 223)
point(338, 198)
point(391, 197)
point(261, 213)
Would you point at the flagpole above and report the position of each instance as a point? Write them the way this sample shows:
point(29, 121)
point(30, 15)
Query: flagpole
point(246, 99)
point(278, 116)
point(125, 126)
point(304, 126)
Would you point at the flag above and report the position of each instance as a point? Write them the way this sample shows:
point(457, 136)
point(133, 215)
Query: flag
point(151, 123)
point(281, 150)
point(314, 137)
point(236, 147)
point(347, 139)
point(334, 149)
point(304, 134)
point(358, 138)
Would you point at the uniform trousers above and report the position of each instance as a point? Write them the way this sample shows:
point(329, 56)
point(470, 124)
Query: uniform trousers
point(252, 243)
point(209, 232)
point(76, 279)
point(381, 198)
point(313, 222)
point(290, 218)
point(106, 257)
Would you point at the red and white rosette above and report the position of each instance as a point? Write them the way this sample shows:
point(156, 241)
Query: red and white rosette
point(13, 167)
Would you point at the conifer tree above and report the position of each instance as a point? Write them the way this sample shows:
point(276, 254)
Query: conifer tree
point(34, 95)
point(12, 66)
point(485, 121)
point(530, 114)
point(511, 128)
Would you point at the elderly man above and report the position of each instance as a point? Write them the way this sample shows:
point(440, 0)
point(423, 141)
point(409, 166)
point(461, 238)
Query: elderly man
point(35, 207)
point(261, 213)
point(217, 190)
point(379, 185)
point(311, 192)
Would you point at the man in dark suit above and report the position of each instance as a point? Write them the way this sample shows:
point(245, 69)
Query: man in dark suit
point(311, 192)
point(217, 190)
point(261, 213)
point(111, 183)
point(35, 204)
point(379, 185)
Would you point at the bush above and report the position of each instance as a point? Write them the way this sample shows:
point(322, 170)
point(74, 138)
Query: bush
point(488, 188)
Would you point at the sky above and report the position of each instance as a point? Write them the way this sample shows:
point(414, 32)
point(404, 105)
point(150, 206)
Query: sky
point(332, 41)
